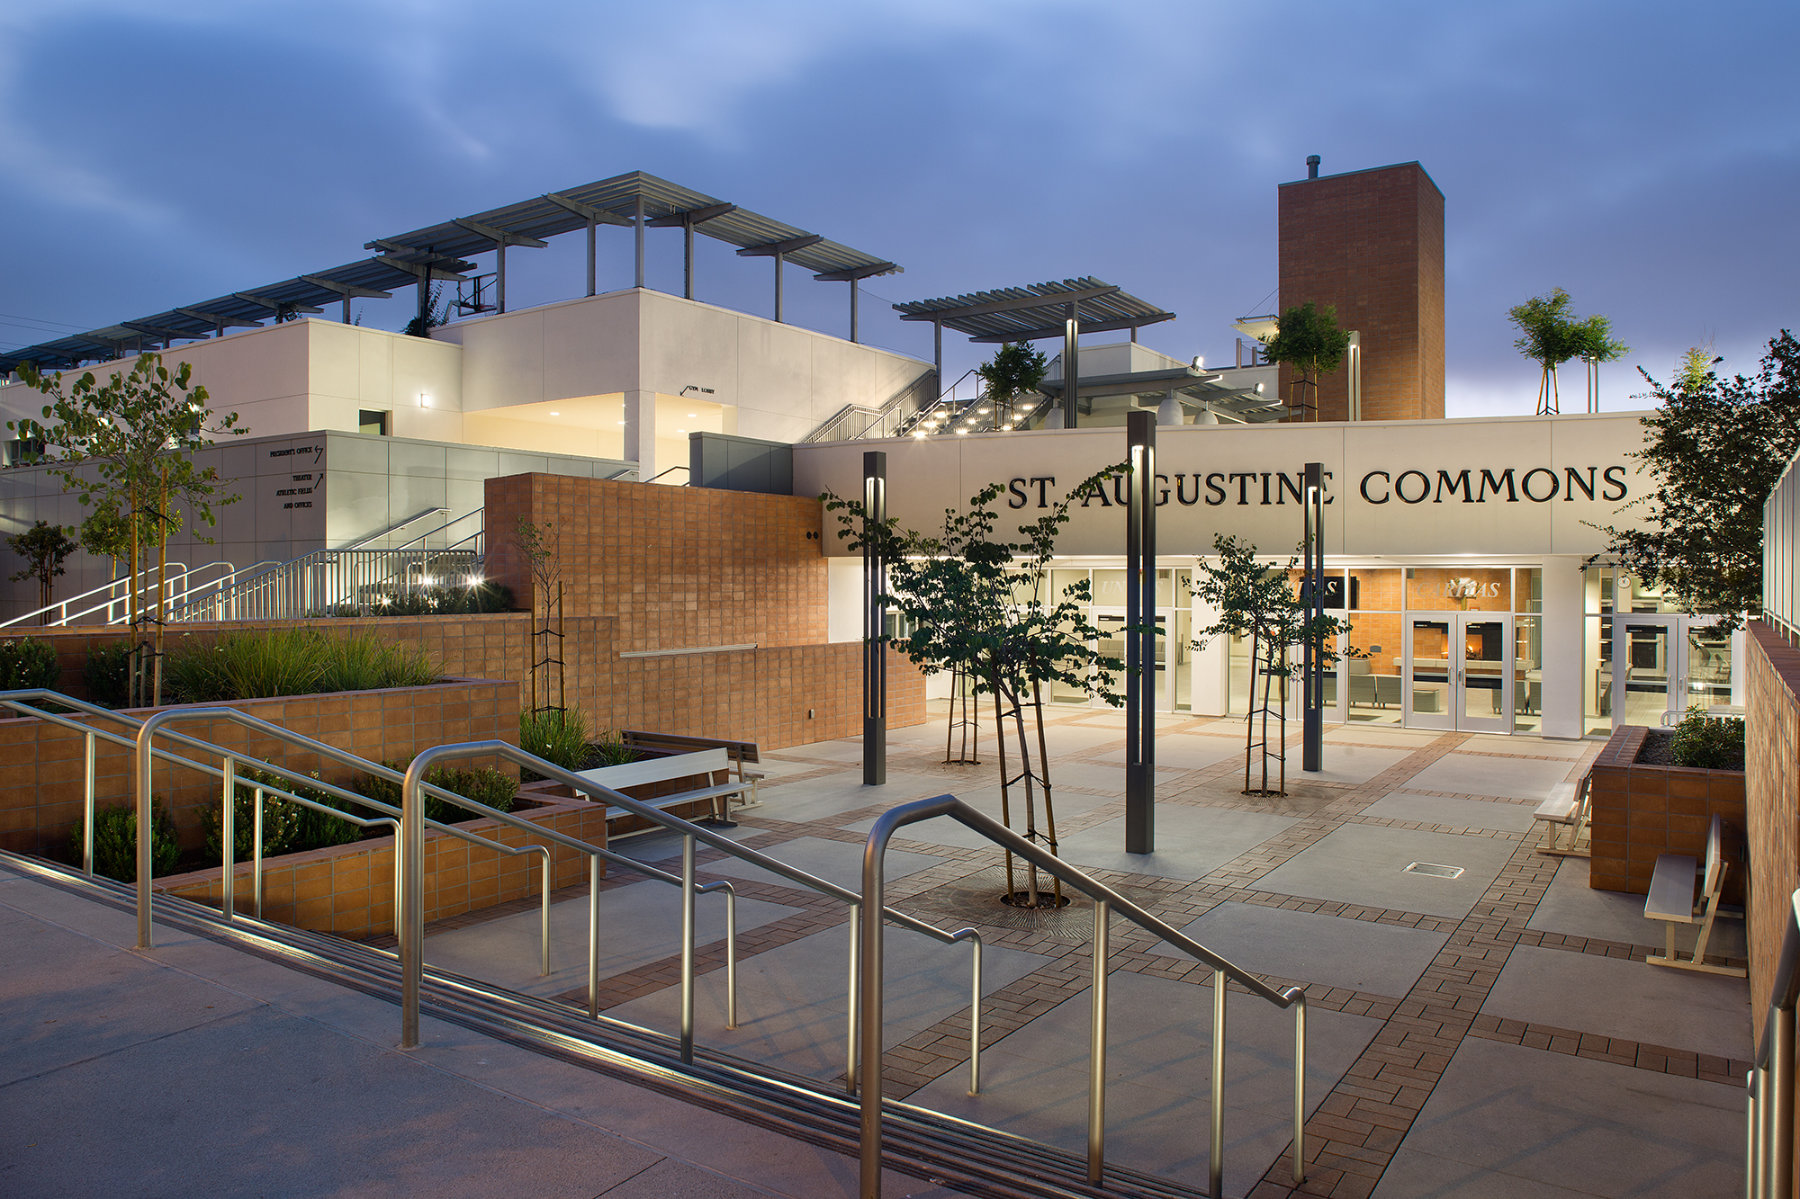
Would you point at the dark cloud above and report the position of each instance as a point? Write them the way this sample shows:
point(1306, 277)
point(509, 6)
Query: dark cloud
point(1636, 154)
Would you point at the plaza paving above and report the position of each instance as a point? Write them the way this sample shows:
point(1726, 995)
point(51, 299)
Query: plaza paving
point(1496, 1033)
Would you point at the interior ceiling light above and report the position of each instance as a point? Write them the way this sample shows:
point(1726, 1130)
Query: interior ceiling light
point(984, 410)
point(692, 415)
point(554, 412)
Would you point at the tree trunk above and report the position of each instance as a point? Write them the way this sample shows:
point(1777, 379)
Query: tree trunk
point(162, 588)
point(134, 690)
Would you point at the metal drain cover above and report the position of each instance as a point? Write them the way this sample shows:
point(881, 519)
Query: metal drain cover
point(1434, 870)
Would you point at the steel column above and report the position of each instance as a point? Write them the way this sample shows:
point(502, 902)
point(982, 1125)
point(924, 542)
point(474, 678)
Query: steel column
point(687, 259)
point(1140, 634)
point(590, 256)
point(1312, 661)
point(778, 260)
point(500, 277)
point(855, 290)
point(874, 620)
point(1071, 369)
point(640, 241)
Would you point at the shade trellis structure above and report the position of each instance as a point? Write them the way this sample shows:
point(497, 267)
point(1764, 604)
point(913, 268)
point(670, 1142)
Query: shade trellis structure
point(440, 252)
point(1035, 312)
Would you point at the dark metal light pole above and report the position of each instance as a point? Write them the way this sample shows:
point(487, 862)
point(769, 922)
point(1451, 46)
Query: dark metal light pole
point(874, 621)
point(1312, 750)
point(1140, 635)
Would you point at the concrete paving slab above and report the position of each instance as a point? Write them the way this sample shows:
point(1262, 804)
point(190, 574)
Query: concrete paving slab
point(1383, 959)
point(1190, 842)
point(639, 924)
point(819, 798)
point(1354, 764)
point(262, 1103)
point(792, 1013)
point(1553, 1120)
point(1158, 1065)
point(1482, 774)
point(1184, 751)
point(1530, 747)
point(944, 831)
point(837, 862)
point(1572, 907)
point(1616, 997)
point(662, 846)
point(62, 999)
point(1362, 733)
point(1362, 864)
point(1457, 813)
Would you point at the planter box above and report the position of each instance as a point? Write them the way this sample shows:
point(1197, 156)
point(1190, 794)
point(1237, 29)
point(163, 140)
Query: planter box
point(41, 763)
point(1641, 811)
point(349, 889)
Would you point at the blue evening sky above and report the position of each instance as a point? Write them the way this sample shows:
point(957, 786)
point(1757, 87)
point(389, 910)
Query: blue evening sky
point(1644, 156)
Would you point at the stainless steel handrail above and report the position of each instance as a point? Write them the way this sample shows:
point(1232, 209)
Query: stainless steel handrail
point(1769, 1168)
point(14, 701)
point(118, 591)
point(412, 925)
point(415, 518)
point(145, 754)
point(17, 701)
point(1106, 901)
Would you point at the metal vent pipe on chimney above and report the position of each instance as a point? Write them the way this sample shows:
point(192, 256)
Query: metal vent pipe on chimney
point(1312, 166)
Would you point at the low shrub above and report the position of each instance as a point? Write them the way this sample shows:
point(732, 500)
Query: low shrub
point(288, 827)
point(276, 662)
point(27, 663)
point(559, 738)
point(484, 785)
point(107, 675)
point(610, 750)
point(1715, 743)
point(115, 842)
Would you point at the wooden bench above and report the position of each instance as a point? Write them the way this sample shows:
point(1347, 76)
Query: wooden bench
point(1567, 808)
point(742, 753)
point(1672, 901)
point(705, 762)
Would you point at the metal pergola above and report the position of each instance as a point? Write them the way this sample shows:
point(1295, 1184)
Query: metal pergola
point(1035, 312)
point(439, 252)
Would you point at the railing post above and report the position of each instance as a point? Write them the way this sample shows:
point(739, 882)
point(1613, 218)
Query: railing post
point(593, 936)
point(1781, 1102)
point(256, 854)
point(411, 916)
point(228, 831)
point(1096, 1142)
point(687, 948)
point(1300, 1087)
point(87, 810)
point(1215, 1162)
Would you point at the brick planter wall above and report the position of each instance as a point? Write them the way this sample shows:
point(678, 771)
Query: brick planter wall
point(1772, 760)
point(349, 889)
point(1641, 811)
point(761, 695)
point(41, 763)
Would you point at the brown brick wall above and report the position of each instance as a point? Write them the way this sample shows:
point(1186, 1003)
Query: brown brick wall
point(675, 566)
point(349, 889)
point(1371, 243)
point(41, 764)
point(1772, 766)
point(1640, 812)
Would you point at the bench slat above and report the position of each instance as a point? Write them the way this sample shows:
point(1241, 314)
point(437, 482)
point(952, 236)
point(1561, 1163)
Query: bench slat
point(658, 770)
point(1672, 889)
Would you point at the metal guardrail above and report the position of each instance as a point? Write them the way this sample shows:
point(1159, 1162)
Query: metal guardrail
point(1769, 1087)
point(1781, 554)
point(853, 421)
point(324, 580)
point(1106, 901)
point(412, 923)
point(112, 602)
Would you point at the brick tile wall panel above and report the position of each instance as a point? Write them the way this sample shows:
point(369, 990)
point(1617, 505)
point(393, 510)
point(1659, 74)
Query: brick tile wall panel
point(1772, 800)
point(1371, 243)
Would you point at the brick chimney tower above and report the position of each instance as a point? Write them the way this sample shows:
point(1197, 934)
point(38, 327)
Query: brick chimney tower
point(1371, 244)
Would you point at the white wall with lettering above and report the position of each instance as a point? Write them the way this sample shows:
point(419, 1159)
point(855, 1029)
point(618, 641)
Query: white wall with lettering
point(1507, 485)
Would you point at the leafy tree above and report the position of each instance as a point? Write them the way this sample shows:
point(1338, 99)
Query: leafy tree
point(973, 602)
point(107, 534)
point(540, 546)
point(127, 442)
point(1308, 339)
point(1715, 449)
point(1261, 602)
point(43, 546)
point(1550, 335)
point(435, 312)
point(1015, 370)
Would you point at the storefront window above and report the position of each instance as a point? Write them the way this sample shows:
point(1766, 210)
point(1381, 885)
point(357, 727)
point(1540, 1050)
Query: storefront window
point(1528, 674)
point(1467, 589)
point(1374, 589)
point(1597, 675)
point(1372, 669)
point(1528, 589)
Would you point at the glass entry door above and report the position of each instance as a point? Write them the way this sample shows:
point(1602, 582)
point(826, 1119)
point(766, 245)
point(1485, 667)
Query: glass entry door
point(1663, 663)
point(1455, 672)
point(1111, 623)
